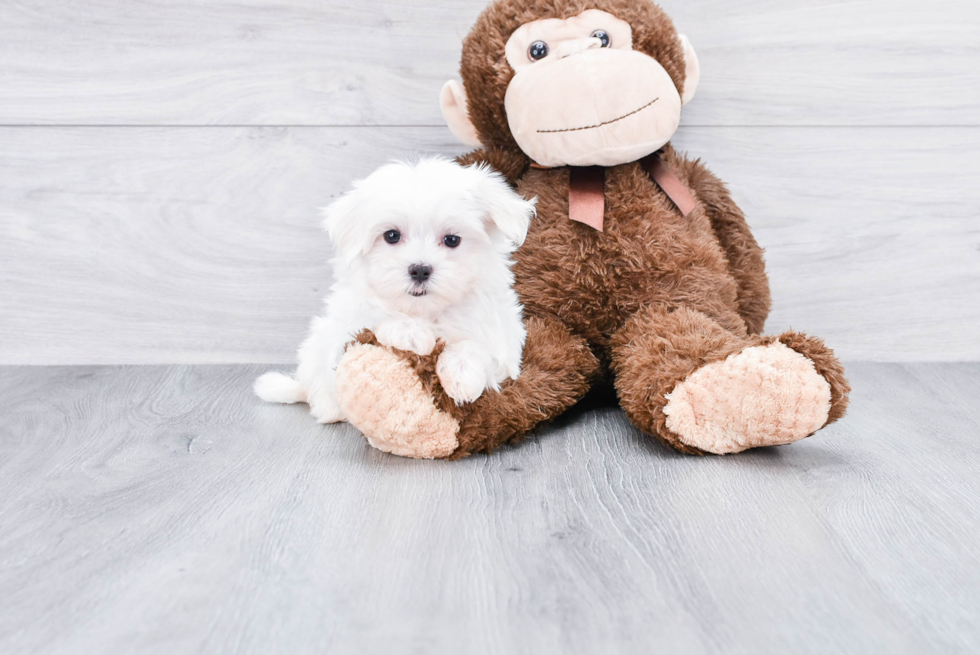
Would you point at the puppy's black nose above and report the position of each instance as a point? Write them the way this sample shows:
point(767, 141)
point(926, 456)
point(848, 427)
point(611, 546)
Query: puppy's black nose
point(419, 273)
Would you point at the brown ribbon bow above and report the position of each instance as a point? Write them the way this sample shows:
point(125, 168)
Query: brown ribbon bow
point(587, 190)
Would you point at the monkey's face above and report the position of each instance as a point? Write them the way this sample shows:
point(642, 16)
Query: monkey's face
point(582, 95)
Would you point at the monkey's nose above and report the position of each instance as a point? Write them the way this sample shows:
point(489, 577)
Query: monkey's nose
point(578, 46)
point(419, 273)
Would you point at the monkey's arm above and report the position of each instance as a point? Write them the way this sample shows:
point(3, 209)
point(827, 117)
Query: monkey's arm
point(745, 259)
point(396, 398)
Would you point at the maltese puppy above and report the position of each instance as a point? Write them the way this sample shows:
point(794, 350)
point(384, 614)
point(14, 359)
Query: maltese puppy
point(422, 254)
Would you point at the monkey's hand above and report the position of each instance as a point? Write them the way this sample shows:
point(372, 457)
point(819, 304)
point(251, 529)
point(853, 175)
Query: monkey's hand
point(382, 394)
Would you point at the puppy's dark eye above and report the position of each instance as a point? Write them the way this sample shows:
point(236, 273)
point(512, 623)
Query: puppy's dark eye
point(603, 36)
point(538, 50)
point(393, 236)
point(451, 240)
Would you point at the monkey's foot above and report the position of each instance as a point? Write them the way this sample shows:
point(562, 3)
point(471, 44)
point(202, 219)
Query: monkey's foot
point(382, 395)
point(764, 395)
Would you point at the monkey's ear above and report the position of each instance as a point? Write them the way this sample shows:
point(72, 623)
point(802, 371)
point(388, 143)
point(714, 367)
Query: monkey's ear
point(692, 74)
point(453, 102)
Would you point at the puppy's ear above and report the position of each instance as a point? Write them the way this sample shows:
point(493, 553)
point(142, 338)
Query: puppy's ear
point(346, 228)
point(506, 210)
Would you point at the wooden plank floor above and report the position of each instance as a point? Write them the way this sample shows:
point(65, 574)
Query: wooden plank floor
point(166, 510)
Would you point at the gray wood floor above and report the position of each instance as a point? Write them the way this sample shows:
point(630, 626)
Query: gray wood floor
point(166, 510)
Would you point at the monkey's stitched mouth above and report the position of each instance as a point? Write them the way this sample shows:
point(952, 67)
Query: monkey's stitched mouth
point(592, 127)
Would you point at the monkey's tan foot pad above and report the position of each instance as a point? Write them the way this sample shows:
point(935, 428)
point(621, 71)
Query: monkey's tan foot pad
point(762, 396)
point(383, 397)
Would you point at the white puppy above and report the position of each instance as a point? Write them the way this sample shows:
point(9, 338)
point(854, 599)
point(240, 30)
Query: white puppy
point(422, 253)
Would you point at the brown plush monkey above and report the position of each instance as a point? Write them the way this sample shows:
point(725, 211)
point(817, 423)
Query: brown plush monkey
point(639, 266)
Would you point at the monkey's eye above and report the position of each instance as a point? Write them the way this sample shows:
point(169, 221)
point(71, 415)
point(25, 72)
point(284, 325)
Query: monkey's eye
point(603, 36)
point(451, 241)
point(538, 50)
point(393, 236)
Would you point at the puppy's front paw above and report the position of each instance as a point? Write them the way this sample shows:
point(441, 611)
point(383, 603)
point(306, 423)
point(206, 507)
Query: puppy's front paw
point(407, 335)
point(462, 370)
point(324, 407)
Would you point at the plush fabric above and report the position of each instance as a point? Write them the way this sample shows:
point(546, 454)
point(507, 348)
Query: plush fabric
point(486, 73)
point(638, 118)
point(405, 422)
point(760, 396)
point(558, 370)
point(668, 307)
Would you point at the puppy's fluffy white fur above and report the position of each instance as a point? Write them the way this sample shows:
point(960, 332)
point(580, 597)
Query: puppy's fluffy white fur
point(467, 300)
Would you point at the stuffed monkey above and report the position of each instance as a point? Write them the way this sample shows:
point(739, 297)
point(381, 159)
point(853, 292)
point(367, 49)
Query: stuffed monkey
point(638, 269)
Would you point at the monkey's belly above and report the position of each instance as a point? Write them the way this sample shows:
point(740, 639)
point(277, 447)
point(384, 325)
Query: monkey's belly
point(593, 282)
